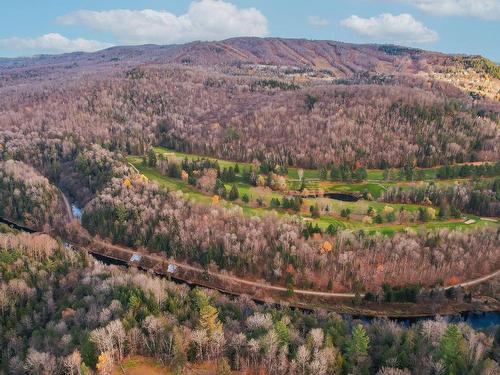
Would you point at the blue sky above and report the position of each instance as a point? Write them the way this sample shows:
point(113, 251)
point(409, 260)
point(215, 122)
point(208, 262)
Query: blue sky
point(30, 27)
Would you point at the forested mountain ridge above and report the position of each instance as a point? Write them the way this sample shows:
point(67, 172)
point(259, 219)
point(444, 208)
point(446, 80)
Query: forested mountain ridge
point(364, 119)
point(243, 115)
point(73, 119)
point(335, 59)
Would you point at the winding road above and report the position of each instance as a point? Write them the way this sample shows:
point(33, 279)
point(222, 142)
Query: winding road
point(161, 261)
point(224, 277)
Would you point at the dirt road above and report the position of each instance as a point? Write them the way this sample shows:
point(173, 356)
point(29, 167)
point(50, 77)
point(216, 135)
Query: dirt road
point(224, 277)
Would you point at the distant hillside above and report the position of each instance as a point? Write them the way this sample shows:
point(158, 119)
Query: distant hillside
point(474, 74)
point(286, 101)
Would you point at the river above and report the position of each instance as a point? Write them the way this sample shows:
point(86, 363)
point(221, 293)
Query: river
point(478, 321)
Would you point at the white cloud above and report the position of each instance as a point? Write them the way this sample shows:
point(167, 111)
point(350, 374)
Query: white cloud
point(51, 43)
point(205, 20)
point(386, 27)
point(318, 21)
point(486, 9)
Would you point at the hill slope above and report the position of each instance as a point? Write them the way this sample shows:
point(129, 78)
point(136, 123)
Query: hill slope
point(287, 101)
point(340, 60)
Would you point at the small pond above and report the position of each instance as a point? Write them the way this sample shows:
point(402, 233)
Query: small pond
point(345, 197)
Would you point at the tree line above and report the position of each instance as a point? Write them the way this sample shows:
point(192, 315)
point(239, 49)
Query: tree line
point(61, 312)
point(475, 197)
point(138, 213)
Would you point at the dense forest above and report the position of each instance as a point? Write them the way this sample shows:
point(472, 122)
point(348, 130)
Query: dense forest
point(61, 312)
point(217, 114)
point(135, 212)
point(138, 213)
point(91, 170)
point(68, 124)
point(480, 197)
point(26, 197)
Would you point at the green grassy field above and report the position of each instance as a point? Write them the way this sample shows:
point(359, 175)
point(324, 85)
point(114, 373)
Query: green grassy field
point(358, 209)
point(378, 174)
point(183, 155)
point(374, 188)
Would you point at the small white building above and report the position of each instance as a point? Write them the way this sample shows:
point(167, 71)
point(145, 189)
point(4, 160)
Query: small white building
point(171, 268)
point(135, 258)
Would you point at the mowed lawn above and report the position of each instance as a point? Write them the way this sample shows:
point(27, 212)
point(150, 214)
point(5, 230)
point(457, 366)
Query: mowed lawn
point(183, 155)
point(358, 209)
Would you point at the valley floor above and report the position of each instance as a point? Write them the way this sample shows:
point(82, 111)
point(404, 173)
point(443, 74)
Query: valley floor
point(260, 198)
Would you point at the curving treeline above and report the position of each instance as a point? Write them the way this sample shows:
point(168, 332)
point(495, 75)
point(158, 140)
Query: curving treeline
point(138, 213)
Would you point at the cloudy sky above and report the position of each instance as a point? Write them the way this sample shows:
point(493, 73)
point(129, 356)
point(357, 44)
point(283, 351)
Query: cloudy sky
point(29, 27)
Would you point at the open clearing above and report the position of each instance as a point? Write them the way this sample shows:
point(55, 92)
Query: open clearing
point(331, 209)
point(139, 365)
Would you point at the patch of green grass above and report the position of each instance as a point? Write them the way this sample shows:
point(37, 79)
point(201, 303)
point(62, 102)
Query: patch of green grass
point(358, 209)
point(168, 182)
point(378, 174)
point(308, 173)
point(253, 192)
point(438, 224)
point(292, 171)
point(375, 174)
point(183, 155)
point(374, 188)
point(130, 363)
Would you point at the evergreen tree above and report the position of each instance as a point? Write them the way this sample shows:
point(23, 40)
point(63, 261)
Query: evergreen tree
point(208, 315)
point(360, 174)
point(335, 173)
point(345, 212)
point(357, 347)
point(386, 174)
point(323, 173)
point(174, 170)
point(452, 350)
point(275, 202)
point(314, 211)
point(220, 189)
point(283, 333)
point(289, 282)
point(152, 161)
point(233, 193)
point(331, 230)
point(455, 212)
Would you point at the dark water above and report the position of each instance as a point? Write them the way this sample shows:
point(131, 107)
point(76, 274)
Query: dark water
point(478, 321)
point(109, 261)
point(343, 197)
